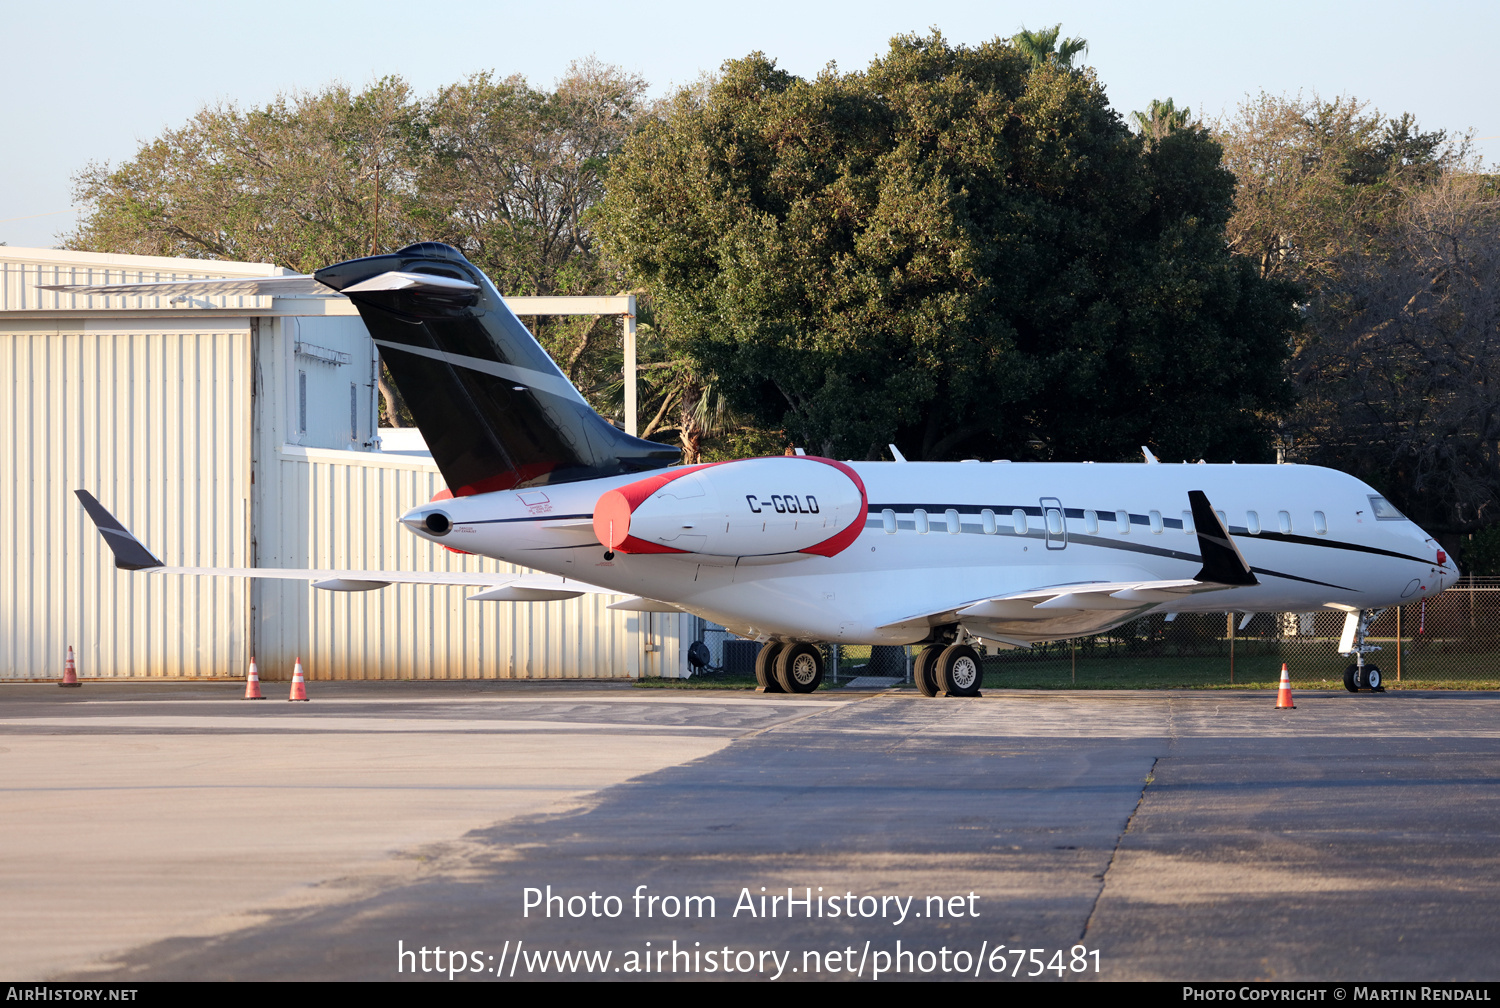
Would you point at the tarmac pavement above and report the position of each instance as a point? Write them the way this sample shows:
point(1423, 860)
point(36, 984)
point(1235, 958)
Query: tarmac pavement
point(159, 832)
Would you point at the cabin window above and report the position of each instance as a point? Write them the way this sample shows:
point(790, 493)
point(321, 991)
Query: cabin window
point(1122, 522)
point(888, 521)
point(988, 517)
point(1054, 522)
point(1091, 522)
point(1018, 520)
point(1156, 525)
point(954, 526)
point(923, 527)
point(1284, 519)
point(1252, 522)
point(1320, 523)
point(1223, 518)
point(1187, 522)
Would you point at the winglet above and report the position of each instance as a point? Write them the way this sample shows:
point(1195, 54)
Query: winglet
point(1222, 561)
point(128, 551)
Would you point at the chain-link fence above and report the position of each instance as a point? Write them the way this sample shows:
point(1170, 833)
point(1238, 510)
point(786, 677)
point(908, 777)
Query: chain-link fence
point(1450, 639)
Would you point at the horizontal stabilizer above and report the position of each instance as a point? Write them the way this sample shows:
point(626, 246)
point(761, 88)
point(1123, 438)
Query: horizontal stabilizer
point(130, 554)
point(1222, 561)
point(399, 281)
point(275, 286)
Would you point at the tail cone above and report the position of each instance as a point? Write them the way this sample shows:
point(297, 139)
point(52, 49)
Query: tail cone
point(1284, 695)
point(299, 684)
point(252, 684)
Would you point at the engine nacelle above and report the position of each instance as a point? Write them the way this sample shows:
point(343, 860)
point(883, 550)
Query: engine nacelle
point(749, 507)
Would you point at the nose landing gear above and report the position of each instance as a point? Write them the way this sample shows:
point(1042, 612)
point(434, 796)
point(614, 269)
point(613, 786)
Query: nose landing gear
point(1360, 676)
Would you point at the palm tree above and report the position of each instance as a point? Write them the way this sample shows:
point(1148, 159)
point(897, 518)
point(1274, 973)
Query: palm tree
point(1044, 46)
point(1163, 118)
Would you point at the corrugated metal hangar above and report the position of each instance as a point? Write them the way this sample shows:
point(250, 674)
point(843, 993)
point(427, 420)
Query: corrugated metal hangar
point(238, 432)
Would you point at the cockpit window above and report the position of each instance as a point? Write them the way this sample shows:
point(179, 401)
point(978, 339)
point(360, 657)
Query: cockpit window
point(1385, 510)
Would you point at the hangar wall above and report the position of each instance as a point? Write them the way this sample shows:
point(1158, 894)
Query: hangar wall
point(338, 509)
point(153, 416)
point(238, 432)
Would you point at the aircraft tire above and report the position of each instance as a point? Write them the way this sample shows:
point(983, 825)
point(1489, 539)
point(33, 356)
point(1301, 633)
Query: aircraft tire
point(1351, 678)
point(922, 669)
point(765, 667)
point(1371, 679)
point(960, 671)
point(799, 668)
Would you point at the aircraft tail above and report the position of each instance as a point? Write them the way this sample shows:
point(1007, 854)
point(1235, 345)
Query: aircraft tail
point(495, 410)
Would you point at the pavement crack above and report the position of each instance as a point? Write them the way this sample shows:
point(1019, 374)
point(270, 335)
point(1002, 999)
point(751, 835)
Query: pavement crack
point(1104, 878)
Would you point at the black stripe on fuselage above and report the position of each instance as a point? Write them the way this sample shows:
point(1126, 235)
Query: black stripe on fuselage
point(1002, 511)
point(528, 518)
point(939, 527)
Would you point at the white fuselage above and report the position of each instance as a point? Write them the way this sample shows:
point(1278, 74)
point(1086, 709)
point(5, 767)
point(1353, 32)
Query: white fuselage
point(1310, 534)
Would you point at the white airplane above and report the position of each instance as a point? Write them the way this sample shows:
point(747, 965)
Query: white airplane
point(795, 550)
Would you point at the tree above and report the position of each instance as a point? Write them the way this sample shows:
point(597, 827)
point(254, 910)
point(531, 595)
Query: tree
point(1043, 47)
point(1392, 239)
point(1315, 178)
point(958, 250)
point(1400, 375)
point(1162, 118)
point(306, 180)
point(506, 172)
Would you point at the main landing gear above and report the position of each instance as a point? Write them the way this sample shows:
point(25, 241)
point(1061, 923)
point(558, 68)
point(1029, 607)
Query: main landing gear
point(939, 669)
point(788, 668)
point(948, 669)
point(1360, 676)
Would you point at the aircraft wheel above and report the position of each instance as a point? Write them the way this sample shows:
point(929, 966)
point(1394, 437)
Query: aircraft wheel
point(799, 668)
point(765, 667)
point(1372, 679)
point(1351, 678)
point(959, 671)
point(922, 669)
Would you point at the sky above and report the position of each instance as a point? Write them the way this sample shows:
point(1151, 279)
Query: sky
point(92, 81)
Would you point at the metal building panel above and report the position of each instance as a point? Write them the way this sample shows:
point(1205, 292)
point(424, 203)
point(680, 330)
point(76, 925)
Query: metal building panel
point(156, 422)
point(337, 509)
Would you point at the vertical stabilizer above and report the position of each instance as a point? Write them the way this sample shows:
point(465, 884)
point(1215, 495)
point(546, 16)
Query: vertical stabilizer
point(494, 409)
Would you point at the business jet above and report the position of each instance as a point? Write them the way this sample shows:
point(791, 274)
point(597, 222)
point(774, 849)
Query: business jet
point(794, 550)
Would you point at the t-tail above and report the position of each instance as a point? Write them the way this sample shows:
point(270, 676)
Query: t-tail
point(495, 410)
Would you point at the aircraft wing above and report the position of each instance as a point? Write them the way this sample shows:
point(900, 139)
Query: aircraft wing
point(131, 554)
point(1086, 607)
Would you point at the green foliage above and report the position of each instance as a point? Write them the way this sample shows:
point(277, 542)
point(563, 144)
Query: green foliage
point(1393, 238)
point(961, 250)
point(507, 172)
point(1481, 553)
point(1162, 118)
point(1044, 46)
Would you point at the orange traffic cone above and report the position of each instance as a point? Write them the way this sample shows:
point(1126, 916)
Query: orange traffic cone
point(1284, 695)
point(299, 684)
point(70, 671)
point(252, 684)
